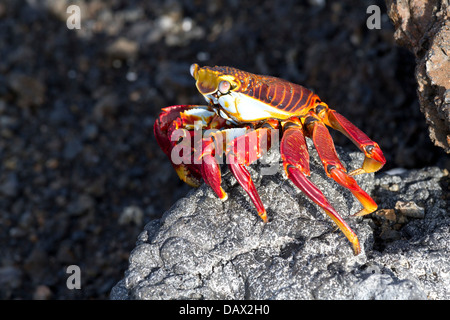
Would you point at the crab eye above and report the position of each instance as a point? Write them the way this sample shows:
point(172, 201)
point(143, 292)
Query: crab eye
point(369, 149)
point(193, 69)
point(224, 87)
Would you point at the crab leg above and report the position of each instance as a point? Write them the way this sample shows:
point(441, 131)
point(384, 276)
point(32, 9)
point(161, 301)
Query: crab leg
point(243, 151)
point(210, 168)
point(295, 157)
point(333, 167)
point(245, 180)
point(374, 158)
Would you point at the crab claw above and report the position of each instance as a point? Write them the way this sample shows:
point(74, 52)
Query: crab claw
point(162, 124)
point(165, 125)
point(374, 159)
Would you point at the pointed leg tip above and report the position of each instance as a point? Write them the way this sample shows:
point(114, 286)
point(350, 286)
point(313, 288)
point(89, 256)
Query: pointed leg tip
point(223, 196)
point(360, 213)
point(263, 216)
point(363, 212)
point(356, 248)
point(378, 156)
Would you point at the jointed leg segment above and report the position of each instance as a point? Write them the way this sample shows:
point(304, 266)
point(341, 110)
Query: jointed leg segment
point(296, 165)
point(333, 167)
point(374, 159)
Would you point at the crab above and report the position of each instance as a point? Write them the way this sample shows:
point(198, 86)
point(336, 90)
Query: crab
point(243, 112)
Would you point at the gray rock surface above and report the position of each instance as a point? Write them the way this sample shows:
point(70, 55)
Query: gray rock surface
point(419, 251)
point(205, 249)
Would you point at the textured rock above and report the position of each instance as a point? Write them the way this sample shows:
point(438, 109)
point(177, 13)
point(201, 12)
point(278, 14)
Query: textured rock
point(424, 27)
point(205, 249)
point(422, 250)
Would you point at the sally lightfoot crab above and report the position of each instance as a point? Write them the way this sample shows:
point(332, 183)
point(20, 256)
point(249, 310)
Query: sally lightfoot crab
point(244, 111)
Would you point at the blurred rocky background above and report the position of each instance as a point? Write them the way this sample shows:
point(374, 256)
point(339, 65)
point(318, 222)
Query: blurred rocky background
point(80, 171)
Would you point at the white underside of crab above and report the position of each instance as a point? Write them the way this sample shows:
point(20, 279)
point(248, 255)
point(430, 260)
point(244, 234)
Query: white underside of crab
point(204, 117)
point(241, 108)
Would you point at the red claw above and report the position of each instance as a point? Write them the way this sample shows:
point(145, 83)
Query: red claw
point(374, 160)
point(377, 154)
point(164, 126)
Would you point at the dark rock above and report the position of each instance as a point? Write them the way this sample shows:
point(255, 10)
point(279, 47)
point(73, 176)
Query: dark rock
point(123, 49)
point(81, 205)
point(10, 279)
point(90, 131)
point(9, 185)
point(30, 90)
point(107, 105)
point(42, 292)
point(72, 148)
point(410, 209)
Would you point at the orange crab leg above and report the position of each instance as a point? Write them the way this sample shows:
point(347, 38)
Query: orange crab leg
point(374, 158)
point(333, 167)
point(295, 157)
